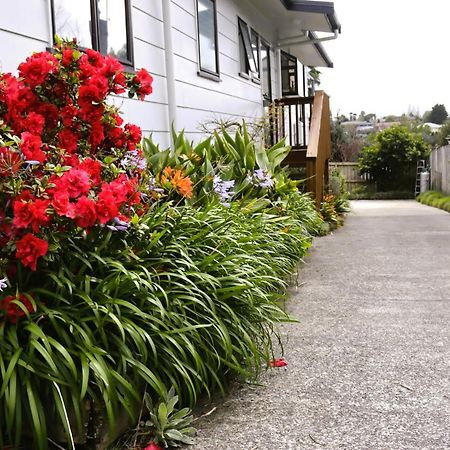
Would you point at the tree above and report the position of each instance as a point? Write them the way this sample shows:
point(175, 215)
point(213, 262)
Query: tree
point(391, 156)
point(345, 144)
point(438, 114)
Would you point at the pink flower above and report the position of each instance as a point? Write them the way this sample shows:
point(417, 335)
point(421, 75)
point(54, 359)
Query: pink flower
point(280, 362)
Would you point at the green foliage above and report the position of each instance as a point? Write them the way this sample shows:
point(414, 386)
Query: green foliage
point(362, 194)
point(333, 208)
point(391, 158)
point(438, 114)
point(188, 299)
point(231, 158)
point(161, 423)
point(187, 296)
point(435, 199)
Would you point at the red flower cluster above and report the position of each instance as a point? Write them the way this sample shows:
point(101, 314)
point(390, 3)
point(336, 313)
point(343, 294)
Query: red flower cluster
point(10, 308)
point(64, 153)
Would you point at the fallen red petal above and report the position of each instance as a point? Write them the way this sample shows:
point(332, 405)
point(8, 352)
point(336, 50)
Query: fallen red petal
point(280, 362)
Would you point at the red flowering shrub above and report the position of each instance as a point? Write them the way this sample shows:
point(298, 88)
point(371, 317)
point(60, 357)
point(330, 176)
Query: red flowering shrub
point(67, 161)
point(10, 306)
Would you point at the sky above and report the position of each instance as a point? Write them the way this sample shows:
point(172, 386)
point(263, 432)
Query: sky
point(392, 57)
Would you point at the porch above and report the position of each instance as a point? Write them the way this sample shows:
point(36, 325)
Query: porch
point(305, 124)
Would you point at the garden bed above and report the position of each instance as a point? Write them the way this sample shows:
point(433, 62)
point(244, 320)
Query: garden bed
point(133, 279)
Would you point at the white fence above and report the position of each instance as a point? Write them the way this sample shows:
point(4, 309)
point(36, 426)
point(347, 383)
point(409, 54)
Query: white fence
point(440, 169)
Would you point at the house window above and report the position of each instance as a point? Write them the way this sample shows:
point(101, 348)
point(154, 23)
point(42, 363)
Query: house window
point(104, 25)
point(249, 50)
point(289, 77)
point(266, 72)
point(207, 38)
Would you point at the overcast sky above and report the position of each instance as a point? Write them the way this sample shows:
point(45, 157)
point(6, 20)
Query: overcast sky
point(392, 56)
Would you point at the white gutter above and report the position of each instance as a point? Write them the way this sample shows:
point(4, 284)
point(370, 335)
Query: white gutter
point(170, 67)
point(300, 40)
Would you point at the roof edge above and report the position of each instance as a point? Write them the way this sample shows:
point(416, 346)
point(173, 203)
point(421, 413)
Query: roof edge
point(325, 8)
point(323, 54)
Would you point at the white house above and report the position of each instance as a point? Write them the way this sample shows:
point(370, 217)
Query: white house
point(210, 59)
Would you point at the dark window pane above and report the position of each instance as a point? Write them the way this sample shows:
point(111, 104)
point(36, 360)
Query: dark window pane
point(255, 50)
point(289, 83)
point(266, 75)
point(113, 28)
point(73, 20)
point(246, 45)
point(207, 35)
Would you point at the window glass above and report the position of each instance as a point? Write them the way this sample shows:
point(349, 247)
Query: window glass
point(73, 20)
point(265, 69)
point(289, 78)
point(247, 49)
point(207, 35)
point(113, 28)
point(255, 50)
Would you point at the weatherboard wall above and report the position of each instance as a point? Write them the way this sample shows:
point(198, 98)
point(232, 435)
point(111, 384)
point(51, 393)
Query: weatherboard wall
point(25, 27)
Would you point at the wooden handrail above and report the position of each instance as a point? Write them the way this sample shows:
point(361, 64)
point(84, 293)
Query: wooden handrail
point(297, 100)
point(319, 147)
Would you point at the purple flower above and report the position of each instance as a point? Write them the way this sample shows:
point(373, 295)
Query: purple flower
point(3, 284)
point(261, 178)
point(223, 189)
point(132, 160)
point(119, 225)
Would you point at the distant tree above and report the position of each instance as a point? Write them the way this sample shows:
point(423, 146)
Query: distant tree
point(438, 114)
point(390, 157)
point(444, 134)
point(370, 117)
point(345, 145)
point(391, 118)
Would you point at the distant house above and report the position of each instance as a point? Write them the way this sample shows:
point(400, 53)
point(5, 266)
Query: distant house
point(209, 58)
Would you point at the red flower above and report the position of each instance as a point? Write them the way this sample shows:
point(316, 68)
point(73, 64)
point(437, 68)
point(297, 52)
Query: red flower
point(280, 362)
point(67, 57)
point(144, 80)
point(152, 446)
point(10, 161)
point(85, 212)
point(93, 168)
point(62, 206)
point(36, 68)
point(68, 140)
point(134, 135)
point(119, 83)
point(13, 310)
point(34, 123)
point(106, 207)
point(94, 89)
point(75, 182)
point(97, 135)
point(29, 249)
point(31, 147)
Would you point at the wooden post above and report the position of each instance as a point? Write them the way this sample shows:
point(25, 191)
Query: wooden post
point(319, 147)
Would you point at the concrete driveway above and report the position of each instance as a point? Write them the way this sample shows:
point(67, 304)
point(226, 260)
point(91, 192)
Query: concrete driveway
point(369, 361)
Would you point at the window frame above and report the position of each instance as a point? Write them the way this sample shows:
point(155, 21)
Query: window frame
point(204, 72)
point(245, 42)
point(265, 44)
point(287, 67)
point(95, 30)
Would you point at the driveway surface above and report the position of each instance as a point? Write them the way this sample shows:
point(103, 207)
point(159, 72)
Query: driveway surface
point(369, 360)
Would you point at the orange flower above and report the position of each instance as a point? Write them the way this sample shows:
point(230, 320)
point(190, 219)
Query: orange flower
point(176, 178)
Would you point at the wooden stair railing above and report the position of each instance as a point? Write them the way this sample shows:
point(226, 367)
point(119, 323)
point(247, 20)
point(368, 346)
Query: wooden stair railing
point(319, 147)
point(305, 124)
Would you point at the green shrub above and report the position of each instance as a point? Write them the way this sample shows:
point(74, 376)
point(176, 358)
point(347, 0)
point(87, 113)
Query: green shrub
point(435, 199)
point(188, 299)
